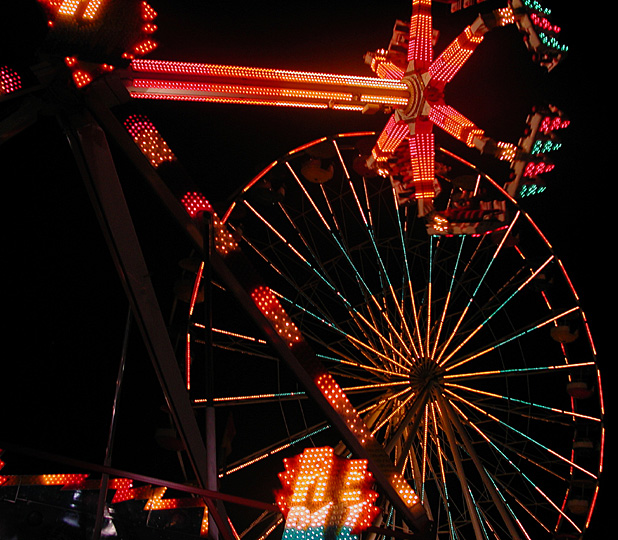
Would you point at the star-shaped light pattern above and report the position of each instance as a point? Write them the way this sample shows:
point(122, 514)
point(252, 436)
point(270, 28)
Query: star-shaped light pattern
point(428, 78)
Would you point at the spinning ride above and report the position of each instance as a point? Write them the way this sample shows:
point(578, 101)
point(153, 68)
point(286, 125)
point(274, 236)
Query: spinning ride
point(421, 321)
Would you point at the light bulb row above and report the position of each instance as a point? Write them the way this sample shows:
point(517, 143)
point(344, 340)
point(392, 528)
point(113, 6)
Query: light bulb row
point(214, 70)
point(455, 124)
point(420, 40)
point(455, 55)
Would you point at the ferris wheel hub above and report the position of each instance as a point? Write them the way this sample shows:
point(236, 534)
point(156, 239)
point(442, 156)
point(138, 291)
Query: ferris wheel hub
point(425, 374)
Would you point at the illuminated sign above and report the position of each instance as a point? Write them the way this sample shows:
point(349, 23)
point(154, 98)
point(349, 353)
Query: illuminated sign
point(325, 495)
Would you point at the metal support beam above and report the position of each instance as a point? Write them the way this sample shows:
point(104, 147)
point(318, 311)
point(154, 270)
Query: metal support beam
point(96, 165)
point(240, 278)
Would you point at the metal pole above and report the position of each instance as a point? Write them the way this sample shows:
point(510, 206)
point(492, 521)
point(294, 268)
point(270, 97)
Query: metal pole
point(94, 160)
point(211, 438)
point(107, 462)
point(489, 485)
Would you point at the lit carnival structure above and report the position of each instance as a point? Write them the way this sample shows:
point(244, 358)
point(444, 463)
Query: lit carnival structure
point(443, 431)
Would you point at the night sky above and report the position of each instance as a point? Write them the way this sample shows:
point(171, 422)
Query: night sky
point(66, 307)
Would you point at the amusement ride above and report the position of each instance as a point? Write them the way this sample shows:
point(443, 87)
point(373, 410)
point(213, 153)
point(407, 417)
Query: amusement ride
point(381, 299)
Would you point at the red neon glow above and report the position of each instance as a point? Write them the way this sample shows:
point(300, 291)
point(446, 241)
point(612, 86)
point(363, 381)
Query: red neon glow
point(552, 123)
point(544, 23)
point(144, 47)
point(10, 81)
point(79, 9)
point(81, 78)
point(340, 402)
point(321, 490)
point(157, 502)
point(420, 44)
point(148, 14)
point(67, 481)
point(123, 487)
point(383, 66)
point(535, 169)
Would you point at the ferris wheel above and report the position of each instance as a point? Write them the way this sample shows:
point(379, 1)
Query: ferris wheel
point(442, 343)
point(421, 309)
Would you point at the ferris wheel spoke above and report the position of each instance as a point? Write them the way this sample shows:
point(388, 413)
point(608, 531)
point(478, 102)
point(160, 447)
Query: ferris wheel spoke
point(515, 372)
point(440, 480)
point(382, 315)
point(386, 282)
point(539, 463)
point(320, 315)
point(275, 448)
point(371, 387)
point(392, 407)
point(413, 415)
point(407, 283)
point(568, 414)
point(523, 436)
point(444, 361)
point(496, 496)
point(370, 352)
point(290, 247)
point(447, 427)
point(471, 299)
point(344, 360)
point(447, 300)
point(503, 341)
point(356, 315)
point(410, 437)
point(251, 399)
point(518, 470)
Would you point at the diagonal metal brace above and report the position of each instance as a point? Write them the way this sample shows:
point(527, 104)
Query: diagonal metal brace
point(95, 162)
